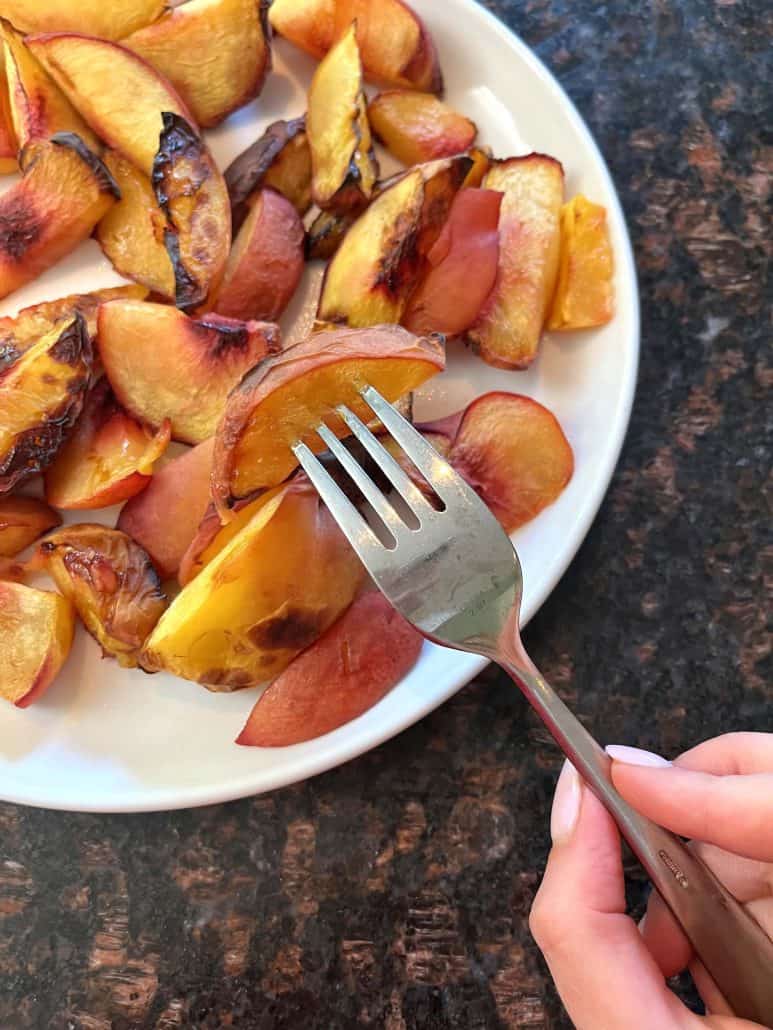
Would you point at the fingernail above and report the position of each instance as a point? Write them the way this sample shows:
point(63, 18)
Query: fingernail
point(636, 756)
point(566, 804)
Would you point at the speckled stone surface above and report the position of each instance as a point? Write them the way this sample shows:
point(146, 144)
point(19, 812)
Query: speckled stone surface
point(394, 892)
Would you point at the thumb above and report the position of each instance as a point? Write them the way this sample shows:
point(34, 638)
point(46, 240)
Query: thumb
point(734, 812)
point(603, 970)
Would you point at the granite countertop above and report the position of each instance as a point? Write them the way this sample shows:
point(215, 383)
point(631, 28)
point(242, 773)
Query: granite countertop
point(394, 892)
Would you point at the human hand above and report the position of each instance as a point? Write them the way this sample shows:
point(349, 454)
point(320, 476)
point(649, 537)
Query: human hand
point(609, 972)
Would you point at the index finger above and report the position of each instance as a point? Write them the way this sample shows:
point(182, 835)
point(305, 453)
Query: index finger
point(733, 754)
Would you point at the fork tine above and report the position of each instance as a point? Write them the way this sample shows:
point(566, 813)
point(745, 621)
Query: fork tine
point(391, 468)
point(355, 528)
point(435, 470)
point(363, 482)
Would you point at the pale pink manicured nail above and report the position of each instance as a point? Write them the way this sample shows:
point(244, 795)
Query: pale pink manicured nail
point(636, 756)
point(566, 804)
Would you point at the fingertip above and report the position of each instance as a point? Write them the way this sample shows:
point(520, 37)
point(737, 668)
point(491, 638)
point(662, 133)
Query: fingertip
point(567, 800)
point(636, 756)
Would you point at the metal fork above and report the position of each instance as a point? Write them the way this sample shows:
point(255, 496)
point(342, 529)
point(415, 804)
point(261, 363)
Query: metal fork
point(455, 575)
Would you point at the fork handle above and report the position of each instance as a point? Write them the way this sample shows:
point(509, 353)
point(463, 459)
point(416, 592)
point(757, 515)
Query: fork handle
point(731, 944)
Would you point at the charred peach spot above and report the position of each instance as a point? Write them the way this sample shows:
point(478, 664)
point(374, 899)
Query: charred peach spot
point(292, 628)
point(230, 679)
point(192, 194)
point(20, 228)
point(219, 335)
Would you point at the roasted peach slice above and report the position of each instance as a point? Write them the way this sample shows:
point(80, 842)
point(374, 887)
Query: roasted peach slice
point(396, 47)
point(583, 296)
point(216, 53)
point(462, 267)
point(418, 127)
point(64, 192)
point(36, 633)
point(163, 364)
point(38, 107)
point(280, 159)
point(512, 450)
point(266, 261)
point(165, 517)
point(108, 457)
point(309, 24)
point(343, 164)
point(22, 521)
point(8, 144)
point(41, 396)
point(20, 332)
point(375, 268)
point(193, 196)
point(271, 591)
point(112, 584)
point(343, 674)
point(132, 232)
point(119, 94)
point(508, 329)
point(285, 398)
point(92, 17)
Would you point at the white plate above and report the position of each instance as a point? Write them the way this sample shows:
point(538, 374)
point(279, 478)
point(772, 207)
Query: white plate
point(105, 739)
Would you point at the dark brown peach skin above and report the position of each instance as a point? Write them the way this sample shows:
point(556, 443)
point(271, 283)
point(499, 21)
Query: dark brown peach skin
point(253, 169)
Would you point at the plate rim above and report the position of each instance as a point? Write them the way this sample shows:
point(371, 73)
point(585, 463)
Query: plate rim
point(335, 753)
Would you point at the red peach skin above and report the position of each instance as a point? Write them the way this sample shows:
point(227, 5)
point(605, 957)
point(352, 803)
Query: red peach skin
point(164, 518)
point(512, 451)
point(108, 457)
point(266, 261)
point(347, 671)
point(462, 267)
